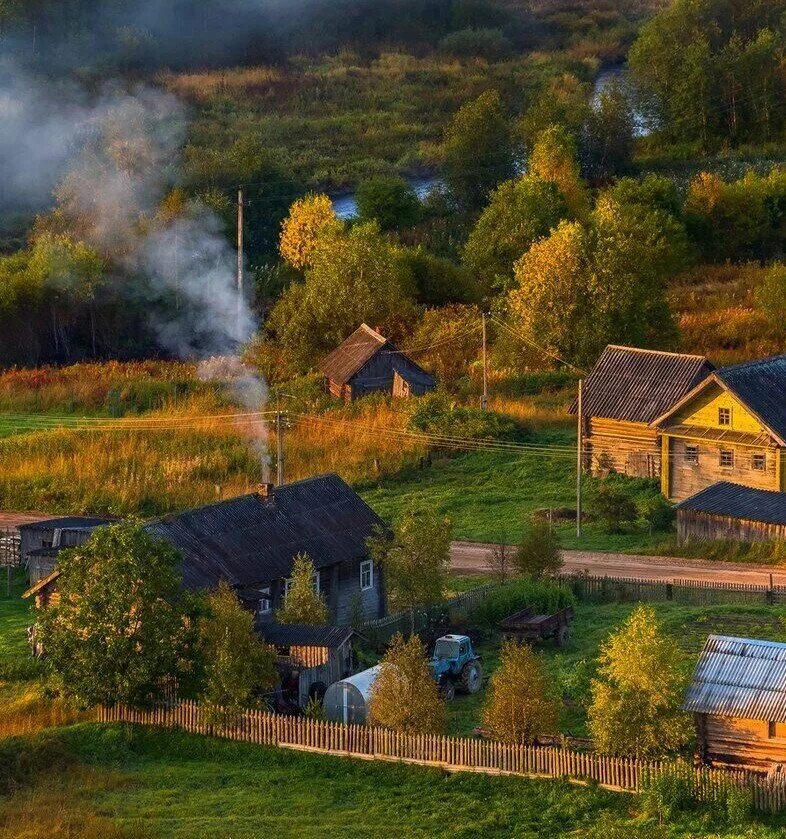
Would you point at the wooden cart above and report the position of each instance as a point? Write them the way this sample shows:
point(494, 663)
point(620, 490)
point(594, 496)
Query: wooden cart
point(525, 625)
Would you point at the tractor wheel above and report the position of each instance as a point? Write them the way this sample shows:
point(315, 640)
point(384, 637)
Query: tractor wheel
point(472, 677)
point(562, 637)
point(447, 691)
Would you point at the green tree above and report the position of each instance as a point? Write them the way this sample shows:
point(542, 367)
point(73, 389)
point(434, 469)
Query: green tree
point(236, 664)
point(636, 697)
point(450, 335)
point(302, 602)
point(521, 703)
point(654, 192)
point(539, 551)
point(478, 150)
point(415, 558)
point(554, 159)
point(613, 505)
point(519, 213)
point(390, 201)
point(437, 280)
point(118, 629)
point(354, 277)
point(607, 135)
point(565, 101)
point(405, 696)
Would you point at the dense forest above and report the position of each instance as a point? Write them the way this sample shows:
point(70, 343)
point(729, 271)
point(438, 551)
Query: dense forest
point(569, 213)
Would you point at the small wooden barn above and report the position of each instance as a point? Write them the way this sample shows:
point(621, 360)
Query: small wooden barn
point(41, 541)
point(624, 392)
point(368, 363)
point(732, 511)
point(738, 699)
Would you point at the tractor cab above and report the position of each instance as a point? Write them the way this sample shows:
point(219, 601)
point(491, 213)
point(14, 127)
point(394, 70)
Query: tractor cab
point(453, 663)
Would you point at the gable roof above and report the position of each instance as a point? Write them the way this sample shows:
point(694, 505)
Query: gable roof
point(347, 359)
point(251, 539)
point(759, 385)
point(739, 677)
point(741, 502)
point(302, 635)
point(638, 385)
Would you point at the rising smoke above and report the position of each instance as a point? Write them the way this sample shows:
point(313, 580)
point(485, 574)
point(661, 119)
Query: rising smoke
point(112, 157)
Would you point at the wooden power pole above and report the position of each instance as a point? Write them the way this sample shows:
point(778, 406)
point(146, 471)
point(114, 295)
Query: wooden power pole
point(579, 458)
point(239, 257)
point(279, 449)
point(484, 400)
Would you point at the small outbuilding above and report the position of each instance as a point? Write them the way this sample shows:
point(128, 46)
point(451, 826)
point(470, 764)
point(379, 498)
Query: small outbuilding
point(347, 701)
point(738, 699)
point(41, 541)
point(732, 511)
point(368, 363)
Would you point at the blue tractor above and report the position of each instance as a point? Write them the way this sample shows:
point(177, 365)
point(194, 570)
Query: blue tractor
point(455, 665)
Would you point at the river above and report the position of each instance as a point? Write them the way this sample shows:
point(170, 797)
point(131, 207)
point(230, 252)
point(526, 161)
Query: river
point(346, 206)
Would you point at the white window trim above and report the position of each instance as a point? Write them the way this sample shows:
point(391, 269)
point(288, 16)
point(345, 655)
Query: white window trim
point(265, 601)
point(367, 566)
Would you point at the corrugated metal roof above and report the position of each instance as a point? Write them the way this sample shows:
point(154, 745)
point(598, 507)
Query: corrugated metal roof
point(741, 502)
point(301, 635)
point(761, 386)
point(69, 522)
point(250, 539)
point(342, 364)
point(739, 677)
point(638, 385)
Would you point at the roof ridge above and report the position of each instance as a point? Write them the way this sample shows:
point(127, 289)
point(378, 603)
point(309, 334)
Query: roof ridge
point(753, 363)
point(381, 338)
point(655, 352)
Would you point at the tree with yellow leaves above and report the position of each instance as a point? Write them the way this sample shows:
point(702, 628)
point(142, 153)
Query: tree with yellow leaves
point(520, 703)
point(309, 220)
point(405, 696)
point(302, 602)
point(554, 159)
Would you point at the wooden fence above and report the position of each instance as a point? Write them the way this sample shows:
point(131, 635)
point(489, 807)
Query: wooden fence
point(455, 754)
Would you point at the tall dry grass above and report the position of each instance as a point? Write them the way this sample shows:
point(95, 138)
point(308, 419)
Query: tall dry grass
point(25, 710)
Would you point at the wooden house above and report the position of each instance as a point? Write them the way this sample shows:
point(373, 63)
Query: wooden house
point(738, 699)
point(731, 427)
point(731, 511)
point(310, 658)
point(41, 541)
point(368, 363)
point(624, 392)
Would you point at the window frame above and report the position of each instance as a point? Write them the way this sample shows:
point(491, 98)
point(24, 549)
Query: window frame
point(759, 458)
point(265, 597)
point(724, 414)
point(315, 583)
point(691, 454)
point(367, 566)
point(721, 454)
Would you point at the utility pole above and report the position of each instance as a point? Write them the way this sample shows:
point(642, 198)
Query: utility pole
point(484, 400)
point(579, 459)
point(239, 258)
point(279, 449)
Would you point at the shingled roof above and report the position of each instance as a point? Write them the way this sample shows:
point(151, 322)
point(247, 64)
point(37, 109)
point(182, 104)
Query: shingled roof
point(761, 387)
point(361, 346)
point(254, 539)
point(638, 385)
point(739, 677)
point(741, 502)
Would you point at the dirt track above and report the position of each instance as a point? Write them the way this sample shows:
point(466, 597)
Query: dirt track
point(470, 558)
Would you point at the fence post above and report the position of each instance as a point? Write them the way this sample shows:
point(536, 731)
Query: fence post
point(669, 591)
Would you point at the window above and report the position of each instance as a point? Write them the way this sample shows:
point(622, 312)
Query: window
point(314, 583)
point(727, 458)
point(759, 462)
point(692, 455)
point(265, 601)
point(724, 416)
point(366, 575)
point(771, 728)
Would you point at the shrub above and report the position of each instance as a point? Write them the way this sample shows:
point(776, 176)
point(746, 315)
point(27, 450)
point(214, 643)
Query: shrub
point(436, 413)
point(539, 551)
point(656, 511)
point(613, 506)
point(390, 201)
point(544, 596)
point(487, 43)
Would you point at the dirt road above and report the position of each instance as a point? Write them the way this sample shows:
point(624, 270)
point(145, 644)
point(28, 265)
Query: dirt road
point(470, 558)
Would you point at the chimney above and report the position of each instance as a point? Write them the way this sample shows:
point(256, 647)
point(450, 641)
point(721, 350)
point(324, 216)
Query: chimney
point(265, 490)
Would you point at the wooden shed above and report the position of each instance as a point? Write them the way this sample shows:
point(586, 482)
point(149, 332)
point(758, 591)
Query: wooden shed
point(41, 541)
point(738, 699)
point(732, 511)
point(624, 392)
point(368, 363)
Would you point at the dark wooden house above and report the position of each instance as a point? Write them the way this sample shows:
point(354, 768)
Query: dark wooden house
point(251, 542)
point(368, 363)
point(738, 699)
point(624, 392)
point(41, 541)
point(731, 511)
point(730, 427)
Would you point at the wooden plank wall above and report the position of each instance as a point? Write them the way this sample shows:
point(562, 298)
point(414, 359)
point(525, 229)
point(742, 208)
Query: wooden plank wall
point(743, 743)
point(693, 525)
point(460, 754)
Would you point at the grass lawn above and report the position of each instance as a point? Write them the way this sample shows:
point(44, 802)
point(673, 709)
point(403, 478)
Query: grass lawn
point(119, 781)
point(490, 496)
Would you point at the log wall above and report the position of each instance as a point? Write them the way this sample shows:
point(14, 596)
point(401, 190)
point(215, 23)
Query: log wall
point(743, 743)
point(631, 448)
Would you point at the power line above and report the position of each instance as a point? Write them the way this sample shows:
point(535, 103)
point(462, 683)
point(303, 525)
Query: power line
point(529, 341)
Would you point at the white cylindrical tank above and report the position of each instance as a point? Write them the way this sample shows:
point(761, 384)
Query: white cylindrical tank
point(347, 701)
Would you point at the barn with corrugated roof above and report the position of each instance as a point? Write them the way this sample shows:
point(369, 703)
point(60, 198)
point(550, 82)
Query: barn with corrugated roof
point(367, 362)
point(624, 392)
point(738, 698)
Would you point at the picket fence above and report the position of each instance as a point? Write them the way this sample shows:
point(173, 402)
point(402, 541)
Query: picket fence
point(455, 754)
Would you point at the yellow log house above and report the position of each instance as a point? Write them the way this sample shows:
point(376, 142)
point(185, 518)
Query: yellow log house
point(730, 427)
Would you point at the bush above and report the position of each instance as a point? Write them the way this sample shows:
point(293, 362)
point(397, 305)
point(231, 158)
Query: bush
point(613, 506)
point(539, 551)
point(390, 201)
point(544, 596)
point(487, 43)
point(436, 413)
point(656, 511)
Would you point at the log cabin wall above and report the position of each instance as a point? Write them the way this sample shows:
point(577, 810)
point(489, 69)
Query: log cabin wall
point(729, 741)
point(631, 448)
